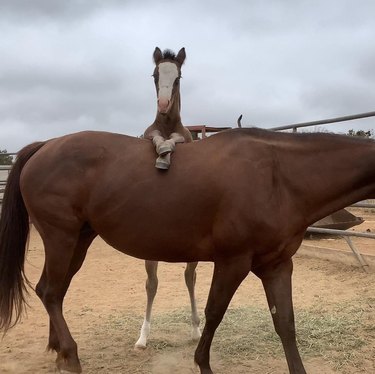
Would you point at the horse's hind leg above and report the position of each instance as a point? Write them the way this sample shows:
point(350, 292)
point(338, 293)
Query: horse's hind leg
point(228, 275)
point(190, 279)
point(151, 288)
point(64, 257)
point(278, 287)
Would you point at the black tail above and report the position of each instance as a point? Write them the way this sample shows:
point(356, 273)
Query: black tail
point(14, 231)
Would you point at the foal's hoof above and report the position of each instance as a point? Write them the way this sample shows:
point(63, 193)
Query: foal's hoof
point(138, 347)
point(162, 163)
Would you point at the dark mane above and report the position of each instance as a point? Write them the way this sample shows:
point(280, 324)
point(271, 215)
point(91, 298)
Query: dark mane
point(169, 55)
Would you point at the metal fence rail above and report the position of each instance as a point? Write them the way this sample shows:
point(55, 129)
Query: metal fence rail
point(323, 121)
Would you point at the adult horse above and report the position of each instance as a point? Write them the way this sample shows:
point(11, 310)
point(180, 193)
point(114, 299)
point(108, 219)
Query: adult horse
point(246, 208)
point(166, 130)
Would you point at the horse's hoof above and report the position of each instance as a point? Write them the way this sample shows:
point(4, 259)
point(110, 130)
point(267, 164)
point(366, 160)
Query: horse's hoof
point(163, 150)
point(64, 367)
point(162, 164)
point(64, 371)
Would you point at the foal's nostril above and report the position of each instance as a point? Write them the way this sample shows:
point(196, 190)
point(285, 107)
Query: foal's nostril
point(163, 105)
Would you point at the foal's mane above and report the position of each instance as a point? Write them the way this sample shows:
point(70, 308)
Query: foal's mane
point(168, 54)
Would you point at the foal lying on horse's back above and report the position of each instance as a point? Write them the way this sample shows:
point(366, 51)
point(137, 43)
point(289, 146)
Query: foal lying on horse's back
point(167, 129)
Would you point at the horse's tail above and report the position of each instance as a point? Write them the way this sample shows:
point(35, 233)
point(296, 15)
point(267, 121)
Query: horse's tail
point(14, 231)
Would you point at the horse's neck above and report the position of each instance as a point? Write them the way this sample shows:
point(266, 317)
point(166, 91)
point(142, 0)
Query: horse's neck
point(323, 179)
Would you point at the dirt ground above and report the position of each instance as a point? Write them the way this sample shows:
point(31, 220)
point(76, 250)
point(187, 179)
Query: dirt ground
point(106, 300)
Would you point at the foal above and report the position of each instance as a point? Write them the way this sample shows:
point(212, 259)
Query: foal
point(167, 129)
point(165, 132)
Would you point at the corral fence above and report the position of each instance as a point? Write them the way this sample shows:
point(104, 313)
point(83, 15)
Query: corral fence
point(5, 169)
point(4, 172)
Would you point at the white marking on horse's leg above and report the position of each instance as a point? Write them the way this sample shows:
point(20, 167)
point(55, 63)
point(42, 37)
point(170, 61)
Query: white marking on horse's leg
point(151, 288)
point(190, 279)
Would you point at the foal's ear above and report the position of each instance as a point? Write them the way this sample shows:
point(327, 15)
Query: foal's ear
point(181, 56)
point(158, 55)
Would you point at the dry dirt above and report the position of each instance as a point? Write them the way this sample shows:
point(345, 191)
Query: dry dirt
point(105, 303)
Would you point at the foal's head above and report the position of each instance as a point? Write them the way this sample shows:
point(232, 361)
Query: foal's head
point(167, 76)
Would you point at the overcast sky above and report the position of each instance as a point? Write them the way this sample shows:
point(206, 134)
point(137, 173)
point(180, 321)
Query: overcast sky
point(71, 65)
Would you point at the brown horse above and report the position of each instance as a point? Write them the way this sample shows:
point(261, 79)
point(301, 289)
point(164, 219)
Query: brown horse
point(246, 208)
point(166, 130)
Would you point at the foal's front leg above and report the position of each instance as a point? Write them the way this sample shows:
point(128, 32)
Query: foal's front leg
point(164, 148)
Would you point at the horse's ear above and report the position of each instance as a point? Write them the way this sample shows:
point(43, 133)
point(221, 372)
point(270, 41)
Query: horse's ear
point(158, 55)
point(181, 56)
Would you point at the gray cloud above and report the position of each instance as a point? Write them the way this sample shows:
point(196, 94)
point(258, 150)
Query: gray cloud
point(31, 11)
point(73, 65)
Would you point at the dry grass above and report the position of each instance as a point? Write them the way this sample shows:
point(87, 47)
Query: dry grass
point(337, 335)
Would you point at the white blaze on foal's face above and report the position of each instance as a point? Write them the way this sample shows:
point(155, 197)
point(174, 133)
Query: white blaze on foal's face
point(168, 73)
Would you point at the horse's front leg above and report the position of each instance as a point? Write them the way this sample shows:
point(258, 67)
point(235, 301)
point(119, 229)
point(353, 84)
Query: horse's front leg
point(228, 275)
point(190, 279)
point(151, 288)
point(278, 286)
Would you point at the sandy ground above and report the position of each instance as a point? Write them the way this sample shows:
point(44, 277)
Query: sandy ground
point(105, 303)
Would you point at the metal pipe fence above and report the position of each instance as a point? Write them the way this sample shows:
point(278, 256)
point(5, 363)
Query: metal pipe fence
point(295, 126)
